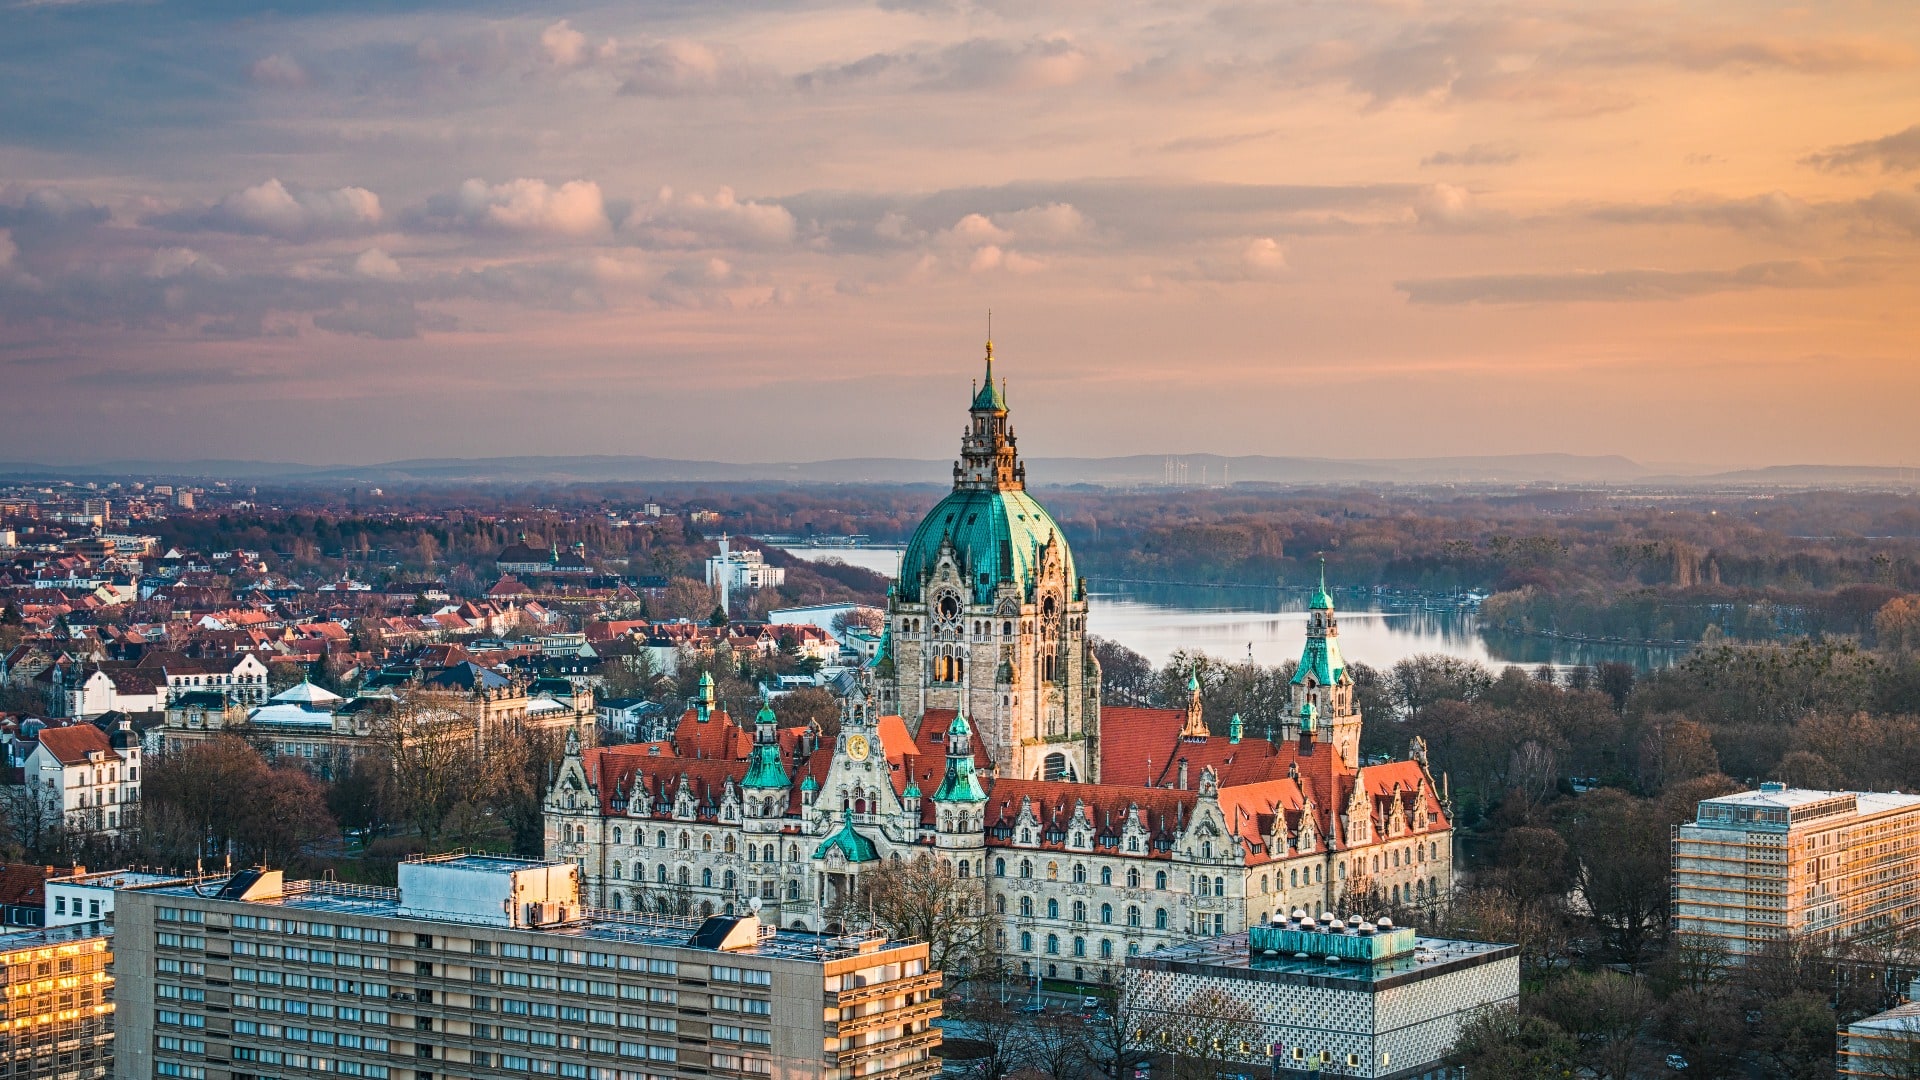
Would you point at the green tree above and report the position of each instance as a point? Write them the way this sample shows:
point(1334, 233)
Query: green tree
point(1505, 1044)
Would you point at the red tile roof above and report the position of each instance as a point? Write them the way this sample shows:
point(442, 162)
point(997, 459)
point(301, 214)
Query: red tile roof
point(70, 745)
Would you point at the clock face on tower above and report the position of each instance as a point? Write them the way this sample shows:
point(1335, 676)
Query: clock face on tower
point(857, 747)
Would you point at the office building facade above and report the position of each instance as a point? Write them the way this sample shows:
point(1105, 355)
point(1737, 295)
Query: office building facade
point(481, 967)
point(1780, 862)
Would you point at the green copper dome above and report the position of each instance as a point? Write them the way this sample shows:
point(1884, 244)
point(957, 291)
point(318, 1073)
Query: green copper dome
point(997, 536)
point(855, 847)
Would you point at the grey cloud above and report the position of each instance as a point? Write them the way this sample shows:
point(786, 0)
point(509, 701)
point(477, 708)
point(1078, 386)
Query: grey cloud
point(271, 208)
point(1129, 212)
point(1775, 210)
point(1897, 152)
point(1474, 154)
point(1776, 213)
point(1192, 143)
point(979, 63)
point(683, 68)
point(49, 210)
point(1617, 286)
point(386, 319)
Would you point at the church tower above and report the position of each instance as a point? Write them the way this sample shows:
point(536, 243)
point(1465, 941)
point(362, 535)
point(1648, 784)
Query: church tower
point(988, 618)
point(1323, 710)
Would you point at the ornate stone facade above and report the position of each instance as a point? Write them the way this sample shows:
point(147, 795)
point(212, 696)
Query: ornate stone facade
point(989, 618)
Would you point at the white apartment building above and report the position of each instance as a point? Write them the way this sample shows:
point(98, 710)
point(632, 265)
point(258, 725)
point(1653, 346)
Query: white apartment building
point(84, 779)
point(1778, 862)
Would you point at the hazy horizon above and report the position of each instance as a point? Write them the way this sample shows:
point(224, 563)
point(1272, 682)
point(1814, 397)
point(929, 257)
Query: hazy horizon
point(770, 231)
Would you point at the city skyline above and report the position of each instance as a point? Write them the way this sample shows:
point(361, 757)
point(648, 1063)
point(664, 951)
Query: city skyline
point(771, 232)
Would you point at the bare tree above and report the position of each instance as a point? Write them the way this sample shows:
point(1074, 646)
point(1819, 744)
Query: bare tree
point(925, 897)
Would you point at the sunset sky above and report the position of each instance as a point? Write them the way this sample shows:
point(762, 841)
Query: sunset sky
point(351, 232)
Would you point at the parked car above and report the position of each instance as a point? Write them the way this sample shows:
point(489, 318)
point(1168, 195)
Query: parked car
point(1034, 1007)
point(1676, 1062)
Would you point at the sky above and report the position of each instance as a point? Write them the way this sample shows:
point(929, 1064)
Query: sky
point(349, 232)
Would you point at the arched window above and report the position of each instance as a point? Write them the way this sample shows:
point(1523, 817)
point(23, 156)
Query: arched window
point(793, 853)
point(1079, 874)
point(753, 853)
point(706, 841)
point(999, 868)
point(1106, 913)
point(1293, 878)
point(1026, 941)
point(793, 890)
point(1133, 878)
point(1106, 875)
point(1000, 905)
point(1106, 948)
point(1079, 946)
point(1053, 944)
point(616, 869)
point(1206, 849)
point(1159, 879)
point(683, 875)
point(1133, 915)
point(660, 838)
point(726, 881)
point(616, 835)
point(686, 841)
point(706, 877)
point(1026, 906)
point(1079, 911)
point(729, 845)
point(1159, 918)
point(661, 873)
point(1053, 909)
point(619, 902)
point(1053, 870)
point(1026, 868)
point(1219, 886)
point(965, 868)
point(1340, 872)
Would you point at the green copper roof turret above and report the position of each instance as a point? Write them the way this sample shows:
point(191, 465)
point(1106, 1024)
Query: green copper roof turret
point(961, 783)
point(1322, 600)
point(765, 715)
point(989, 395)
point(855, 847)
point(767, 773)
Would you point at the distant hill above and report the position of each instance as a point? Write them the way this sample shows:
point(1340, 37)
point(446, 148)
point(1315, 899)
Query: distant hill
point(1136, 469)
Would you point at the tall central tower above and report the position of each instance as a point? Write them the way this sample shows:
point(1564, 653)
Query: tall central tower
point(989, 619)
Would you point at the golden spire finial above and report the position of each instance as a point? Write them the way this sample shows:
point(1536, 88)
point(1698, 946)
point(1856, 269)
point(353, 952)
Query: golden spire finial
point(989, 335)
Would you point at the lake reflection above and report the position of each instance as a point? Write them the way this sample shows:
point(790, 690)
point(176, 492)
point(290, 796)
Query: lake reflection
point(1233, 623)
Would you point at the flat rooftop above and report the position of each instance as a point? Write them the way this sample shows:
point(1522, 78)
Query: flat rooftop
point(1228, 956)
point(54, 935)
point(1777, 807)
point(119, 879)
point(659, 931)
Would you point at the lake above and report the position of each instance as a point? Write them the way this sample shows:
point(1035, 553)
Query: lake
point(1269, 625)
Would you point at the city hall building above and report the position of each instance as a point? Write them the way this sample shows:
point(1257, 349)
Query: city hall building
point(977, 737)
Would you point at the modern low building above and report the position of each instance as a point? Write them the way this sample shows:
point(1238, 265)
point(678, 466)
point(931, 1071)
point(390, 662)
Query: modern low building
point(483, 966)
point(1886, 1044)
point(1306, 997)
point(1777, 862)
point(57, 1013)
